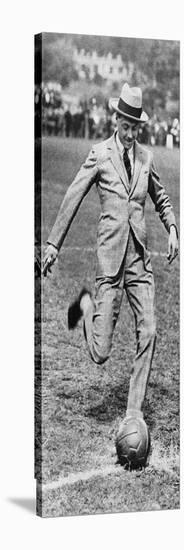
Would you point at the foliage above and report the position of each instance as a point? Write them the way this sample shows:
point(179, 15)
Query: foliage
point(164, 64)
point(57, 60)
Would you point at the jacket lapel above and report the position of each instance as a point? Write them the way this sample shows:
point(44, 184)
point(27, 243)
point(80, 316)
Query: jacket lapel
point(118, 163)
point(137, 166)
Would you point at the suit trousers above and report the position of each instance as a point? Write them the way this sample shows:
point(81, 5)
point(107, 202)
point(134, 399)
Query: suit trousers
point(100, 318)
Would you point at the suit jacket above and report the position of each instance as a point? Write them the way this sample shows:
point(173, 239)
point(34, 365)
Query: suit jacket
point(122, 203)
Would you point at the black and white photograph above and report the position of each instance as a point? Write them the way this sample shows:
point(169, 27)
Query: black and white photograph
point(107, 274)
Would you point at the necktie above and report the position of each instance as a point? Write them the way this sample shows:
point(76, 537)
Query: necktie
point(127, 164)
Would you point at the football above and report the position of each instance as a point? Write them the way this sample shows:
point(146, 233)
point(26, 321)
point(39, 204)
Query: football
point(133, 442)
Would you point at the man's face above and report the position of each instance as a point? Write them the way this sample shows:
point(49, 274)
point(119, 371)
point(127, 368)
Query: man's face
point(127, 131)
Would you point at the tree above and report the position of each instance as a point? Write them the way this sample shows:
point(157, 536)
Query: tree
point(57, 60)
point(164, 64)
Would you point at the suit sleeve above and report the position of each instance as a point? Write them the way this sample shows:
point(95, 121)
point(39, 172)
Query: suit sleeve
point(76, 192)
point(160, 198)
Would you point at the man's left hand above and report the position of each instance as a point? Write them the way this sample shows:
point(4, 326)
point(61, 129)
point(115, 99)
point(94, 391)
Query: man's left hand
point(172, 244)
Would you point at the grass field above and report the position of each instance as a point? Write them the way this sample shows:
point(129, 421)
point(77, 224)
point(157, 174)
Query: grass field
point(82, 403)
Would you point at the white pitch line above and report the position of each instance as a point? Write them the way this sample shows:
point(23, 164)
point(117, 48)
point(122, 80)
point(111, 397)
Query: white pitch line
point(91, 249)
point(81, 476)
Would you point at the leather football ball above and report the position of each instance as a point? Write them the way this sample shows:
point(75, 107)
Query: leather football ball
point(133, 442)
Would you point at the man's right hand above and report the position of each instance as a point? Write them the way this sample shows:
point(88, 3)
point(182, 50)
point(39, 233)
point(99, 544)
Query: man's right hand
point(50, 257)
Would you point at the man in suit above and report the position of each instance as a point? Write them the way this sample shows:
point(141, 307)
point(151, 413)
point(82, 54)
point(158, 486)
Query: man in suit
point(124, 174)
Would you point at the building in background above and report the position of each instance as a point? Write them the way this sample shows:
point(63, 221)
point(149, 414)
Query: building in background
point(110, 68)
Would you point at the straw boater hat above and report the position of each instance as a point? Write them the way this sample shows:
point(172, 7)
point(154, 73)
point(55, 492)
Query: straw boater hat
point(129, 104)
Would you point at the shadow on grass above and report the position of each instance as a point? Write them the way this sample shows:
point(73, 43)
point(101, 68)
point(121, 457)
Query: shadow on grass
point(149, 415)
point(28, 504)
point(113, 404)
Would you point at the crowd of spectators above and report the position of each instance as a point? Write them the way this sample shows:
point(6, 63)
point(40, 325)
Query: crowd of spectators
point(88, 120)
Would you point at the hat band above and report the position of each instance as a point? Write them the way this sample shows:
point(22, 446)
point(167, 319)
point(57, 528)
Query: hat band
point(128, 109)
